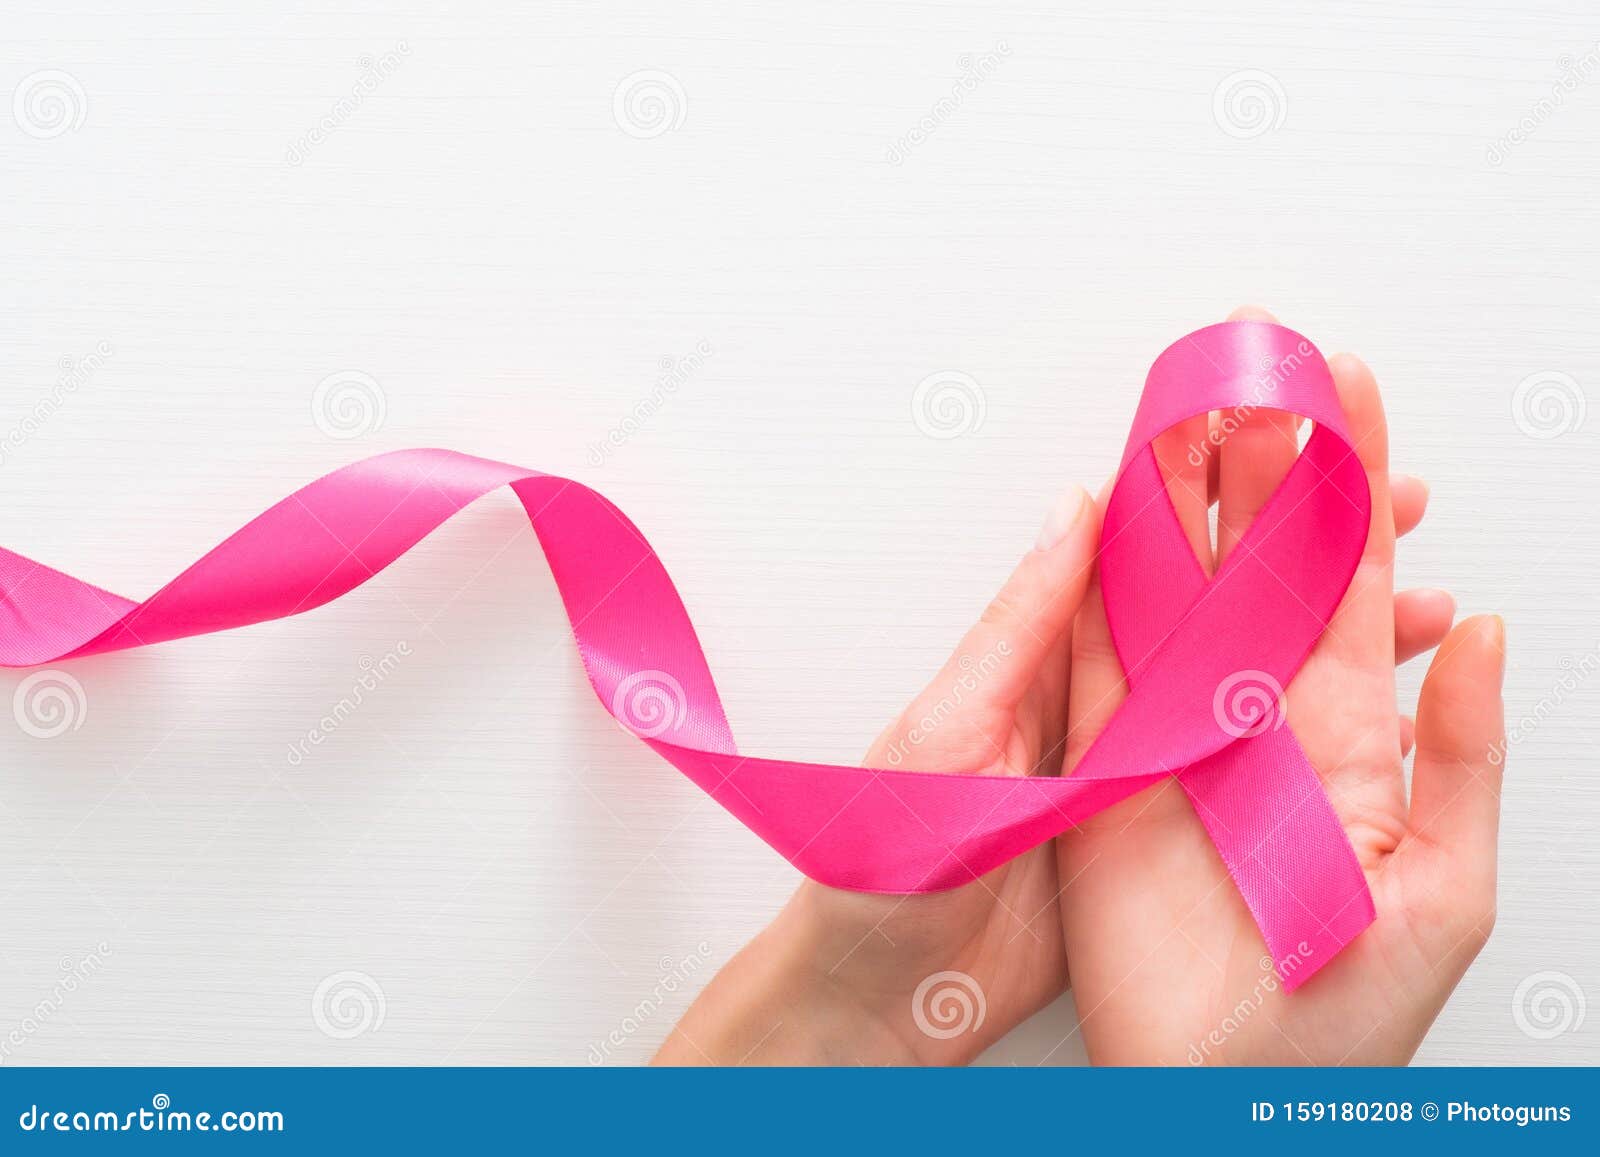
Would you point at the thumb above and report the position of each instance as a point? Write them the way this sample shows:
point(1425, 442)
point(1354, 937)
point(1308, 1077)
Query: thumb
point(970, 704)
point(1455, 782)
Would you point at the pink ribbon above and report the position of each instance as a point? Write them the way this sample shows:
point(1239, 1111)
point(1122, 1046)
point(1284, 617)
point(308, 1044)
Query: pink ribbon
point(1206, 657)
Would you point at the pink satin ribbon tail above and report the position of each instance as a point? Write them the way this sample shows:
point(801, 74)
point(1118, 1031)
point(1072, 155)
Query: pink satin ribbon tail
point(1206, 657)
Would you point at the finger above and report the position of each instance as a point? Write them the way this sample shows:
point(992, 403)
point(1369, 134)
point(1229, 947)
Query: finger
point(1098, 686)
point(1213, 458)
point(1408, 735)
point(1455, 784)
point(1253, 313)
point(1258, 448)
point(1369, 434)
point(970, 705)
point(1042, 714)
point(1362, 631)
point(1186, 455)
point(1192, 464)
point(1408, 496)
point(1422, 618)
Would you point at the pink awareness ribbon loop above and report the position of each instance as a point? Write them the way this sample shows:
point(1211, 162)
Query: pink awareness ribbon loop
point(1186, 641)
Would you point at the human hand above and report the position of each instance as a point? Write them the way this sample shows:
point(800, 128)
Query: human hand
point(835, 979)
point(1168, 965)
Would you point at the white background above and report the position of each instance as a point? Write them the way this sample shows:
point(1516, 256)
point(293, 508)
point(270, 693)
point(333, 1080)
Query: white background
point(482, 237)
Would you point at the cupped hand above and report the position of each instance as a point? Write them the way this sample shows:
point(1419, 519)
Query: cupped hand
point(1168, 965)
point(851, 977)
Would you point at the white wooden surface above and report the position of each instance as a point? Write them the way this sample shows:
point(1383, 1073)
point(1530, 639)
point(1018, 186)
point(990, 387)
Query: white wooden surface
point(481, 236)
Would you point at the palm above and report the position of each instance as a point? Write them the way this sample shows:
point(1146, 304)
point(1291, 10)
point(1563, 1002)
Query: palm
point(1163, 925)
point(1004, 930)
point(1002, 933)
point(1168, 965)
point(930, 978)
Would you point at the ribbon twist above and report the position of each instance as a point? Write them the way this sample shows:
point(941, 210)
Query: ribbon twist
point(1193, 648)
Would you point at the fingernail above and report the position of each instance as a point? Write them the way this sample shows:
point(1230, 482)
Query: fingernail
point(1498, 634)
point(1063, 517)
point(1426, 490)
point(1444, 595)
